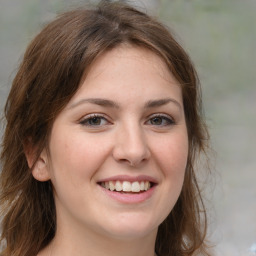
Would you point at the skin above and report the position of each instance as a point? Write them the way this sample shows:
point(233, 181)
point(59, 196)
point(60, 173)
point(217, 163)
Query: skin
point(129, 137)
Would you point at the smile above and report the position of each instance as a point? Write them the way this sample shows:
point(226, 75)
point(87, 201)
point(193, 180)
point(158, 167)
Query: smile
point(127, 189)
point(127, 186)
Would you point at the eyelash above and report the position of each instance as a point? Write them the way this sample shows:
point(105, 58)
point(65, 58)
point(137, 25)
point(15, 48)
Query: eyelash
point(169, 121)
point(86, 121)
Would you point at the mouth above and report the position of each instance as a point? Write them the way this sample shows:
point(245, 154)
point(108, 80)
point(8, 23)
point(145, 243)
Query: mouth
point(127, 186)
point(127, 189)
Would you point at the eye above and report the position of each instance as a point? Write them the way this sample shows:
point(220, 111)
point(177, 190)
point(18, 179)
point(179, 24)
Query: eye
point(94, 120)
point(160, 120)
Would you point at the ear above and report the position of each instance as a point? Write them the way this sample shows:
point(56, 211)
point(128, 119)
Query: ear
point(40, 166)
point(40, 170)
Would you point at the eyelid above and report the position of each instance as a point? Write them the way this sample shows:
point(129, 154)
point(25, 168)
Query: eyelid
point(84, 119)
point(164, 116)
point(161, 115)
point(93, 115)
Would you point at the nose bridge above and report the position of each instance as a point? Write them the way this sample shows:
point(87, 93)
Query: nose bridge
point(131, 144)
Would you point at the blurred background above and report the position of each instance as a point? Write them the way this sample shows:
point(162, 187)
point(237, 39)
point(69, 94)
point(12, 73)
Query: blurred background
point(220, 37)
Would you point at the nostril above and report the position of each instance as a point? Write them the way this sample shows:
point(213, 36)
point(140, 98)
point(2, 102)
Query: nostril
point(131, 151)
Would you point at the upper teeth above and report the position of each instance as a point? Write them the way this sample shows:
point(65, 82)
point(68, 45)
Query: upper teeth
point(126, 186)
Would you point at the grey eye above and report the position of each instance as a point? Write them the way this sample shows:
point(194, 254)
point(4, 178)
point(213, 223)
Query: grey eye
point(94, 121)
point(161, 121)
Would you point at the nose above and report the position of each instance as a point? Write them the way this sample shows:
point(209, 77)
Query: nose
point(131, 146)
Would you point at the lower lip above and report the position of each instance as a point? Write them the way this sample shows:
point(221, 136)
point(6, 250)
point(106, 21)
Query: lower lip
point(130, 198)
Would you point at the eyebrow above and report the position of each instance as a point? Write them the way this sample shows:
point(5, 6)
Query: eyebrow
point(161, 102)
point(96, 101)
point(113, 104)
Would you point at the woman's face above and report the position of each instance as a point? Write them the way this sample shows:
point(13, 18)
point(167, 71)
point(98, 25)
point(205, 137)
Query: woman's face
point(118, 151)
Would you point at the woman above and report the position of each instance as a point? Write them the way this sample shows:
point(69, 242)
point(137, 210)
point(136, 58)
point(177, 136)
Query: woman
point(103, 129)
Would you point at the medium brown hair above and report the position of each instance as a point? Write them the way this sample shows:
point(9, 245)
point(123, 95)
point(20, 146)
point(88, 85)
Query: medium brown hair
point(49, 75)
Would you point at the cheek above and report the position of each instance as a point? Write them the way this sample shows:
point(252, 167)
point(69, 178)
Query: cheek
point(171, 159)
point(76, 155)
point(172, 155)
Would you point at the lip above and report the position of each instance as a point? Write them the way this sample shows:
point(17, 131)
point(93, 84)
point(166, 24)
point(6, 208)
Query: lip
point(129, 198)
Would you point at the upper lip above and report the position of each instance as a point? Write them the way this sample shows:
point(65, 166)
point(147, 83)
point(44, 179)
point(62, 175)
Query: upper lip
point(129, 178)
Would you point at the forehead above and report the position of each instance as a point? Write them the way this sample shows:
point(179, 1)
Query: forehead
point(128, 72)
point(127, 56)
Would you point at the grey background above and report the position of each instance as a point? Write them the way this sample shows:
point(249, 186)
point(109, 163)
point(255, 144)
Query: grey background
point(220, 37)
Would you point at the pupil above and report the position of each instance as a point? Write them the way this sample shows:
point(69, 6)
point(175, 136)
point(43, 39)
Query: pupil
point(157, 120)
point(95, 120)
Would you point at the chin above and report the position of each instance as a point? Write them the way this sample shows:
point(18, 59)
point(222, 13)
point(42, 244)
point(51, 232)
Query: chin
point(132, 234)
point(128, 228)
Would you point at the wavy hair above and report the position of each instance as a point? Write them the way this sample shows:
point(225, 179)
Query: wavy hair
point(48, 77)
